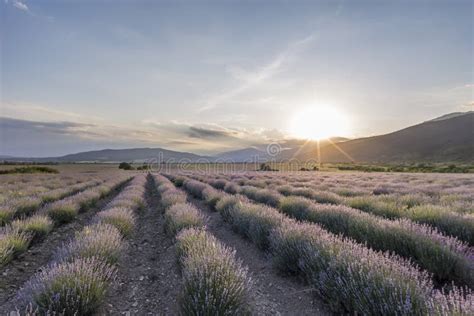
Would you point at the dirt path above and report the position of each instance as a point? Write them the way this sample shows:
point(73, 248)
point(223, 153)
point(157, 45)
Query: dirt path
point(274, 294)
point(149, 280)
point(18, 271)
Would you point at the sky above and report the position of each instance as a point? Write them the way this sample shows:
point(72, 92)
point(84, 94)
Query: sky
point(211, 76)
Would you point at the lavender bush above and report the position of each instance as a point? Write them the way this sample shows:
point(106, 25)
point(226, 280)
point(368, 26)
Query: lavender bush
point(349, 276)
point(219, 183)
point(211, 196)
point(180, 216)
point(194, 187)
point(26, 206)
point(265, 196)
point(454, 224)
point(69, 288)
point(63, 211)
point(121, 218)
point(171, 197)
point(231, 188)
point(102, 241)
point(7, 213)
point(254, 221)
point(447, 258)
point(12, 243)
point(38, 226)
point(215, 282)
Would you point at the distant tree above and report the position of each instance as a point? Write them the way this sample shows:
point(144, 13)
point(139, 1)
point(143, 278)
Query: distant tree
point(125, 166)
point(266, 167)
point(143, 167)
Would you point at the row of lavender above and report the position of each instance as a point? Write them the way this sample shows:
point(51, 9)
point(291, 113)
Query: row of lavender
point(16, 237)
point(445, 188)
point(22, 206)
point(215, 282)
point(451, 192)
point(77, 279)
point(350, 277)
point(445, 257)
point(438, 203)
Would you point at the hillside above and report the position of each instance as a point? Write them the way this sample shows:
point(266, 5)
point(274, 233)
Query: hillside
point(445, 139)
point(449, 138)
point(117, 155)
point(282, 150)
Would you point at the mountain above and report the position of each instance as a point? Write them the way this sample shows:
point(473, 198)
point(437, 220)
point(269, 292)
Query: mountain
point(451, 115)
point(278, 151)
point(242, 155)
point(448, 138)
point(118, 155)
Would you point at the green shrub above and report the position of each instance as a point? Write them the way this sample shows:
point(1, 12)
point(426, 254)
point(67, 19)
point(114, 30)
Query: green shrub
point(29, 169)
point(179, 181)
point(125, 166)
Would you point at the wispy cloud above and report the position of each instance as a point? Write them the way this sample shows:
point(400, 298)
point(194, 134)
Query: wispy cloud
point(43, 127)
point(204, 133)
point(465, 86)
point(253, 78)
point(31, 111)
point(20, 5)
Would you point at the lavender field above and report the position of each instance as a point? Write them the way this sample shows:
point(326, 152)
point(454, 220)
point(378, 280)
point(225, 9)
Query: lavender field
point(262, 243)
point(234, 158)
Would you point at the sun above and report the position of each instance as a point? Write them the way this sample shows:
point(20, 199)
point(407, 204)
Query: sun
point(318, 123)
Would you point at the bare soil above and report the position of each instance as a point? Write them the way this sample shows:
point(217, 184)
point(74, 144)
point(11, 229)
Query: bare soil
point(148, 281)
point(274, 294)
point(19, 270)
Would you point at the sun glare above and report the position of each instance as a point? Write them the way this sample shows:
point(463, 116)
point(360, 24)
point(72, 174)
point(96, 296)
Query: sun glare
point(319, 123)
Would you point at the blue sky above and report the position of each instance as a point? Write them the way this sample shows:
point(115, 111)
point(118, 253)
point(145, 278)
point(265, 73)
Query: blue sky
point(81, 75)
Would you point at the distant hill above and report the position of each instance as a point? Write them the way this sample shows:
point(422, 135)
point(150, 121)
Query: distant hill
point(118, 155)
point(282, 150)
point(451, 115)
point(448, 138)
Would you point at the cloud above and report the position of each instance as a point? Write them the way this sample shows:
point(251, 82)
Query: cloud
point(467, 86)
point(203, 133)
point(469, 105)
point(22, 137)
point(29, 111)
point(47, 127)
point(18, 4)
point(253, 78)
